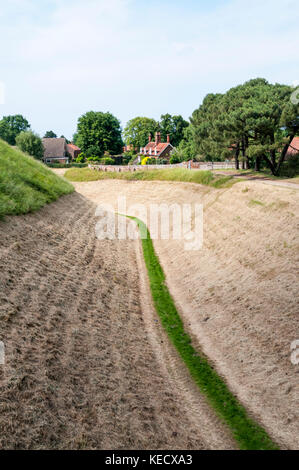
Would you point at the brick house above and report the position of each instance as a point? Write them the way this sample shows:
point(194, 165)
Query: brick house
point(157, 149)
point(73, 151)
point(130, 148)
point(56, 150)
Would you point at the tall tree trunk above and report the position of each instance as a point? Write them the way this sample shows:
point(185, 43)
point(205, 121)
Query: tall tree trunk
point(273, 157)
point(237, 153)
point(275, 168)
point(243, 153)
point(246, 147)
point(273, 152)
point(257, 166)
point(283, 155)
point(271, 166)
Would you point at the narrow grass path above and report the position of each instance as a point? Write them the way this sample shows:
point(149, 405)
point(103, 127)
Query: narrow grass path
point(248, 434)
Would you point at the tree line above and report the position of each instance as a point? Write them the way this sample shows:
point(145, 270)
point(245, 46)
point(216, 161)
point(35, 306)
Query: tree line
point(253, 123)
point(16, 131)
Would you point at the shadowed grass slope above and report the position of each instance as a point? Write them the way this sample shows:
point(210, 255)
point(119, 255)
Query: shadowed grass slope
point(173, 174)
point(25, 183)
point(245, 430)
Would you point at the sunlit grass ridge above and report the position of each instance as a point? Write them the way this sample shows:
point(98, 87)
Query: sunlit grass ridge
point(26, 184)
point(173, 174)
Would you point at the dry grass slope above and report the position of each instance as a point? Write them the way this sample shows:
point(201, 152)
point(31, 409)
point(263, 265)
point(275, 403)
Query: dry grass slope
point(238, 296)
point(82, 368)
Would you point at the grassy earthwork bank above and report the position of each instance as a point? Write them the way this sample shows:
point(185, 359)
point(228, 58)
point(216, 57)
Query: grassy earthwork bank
point(173, 174)
point(247, 433)
point(25, 183)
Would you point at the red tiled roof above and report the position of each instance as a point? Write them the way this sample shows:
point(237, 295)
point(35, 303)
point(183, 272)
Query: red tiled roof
point(160, 147)
point(73, 146)
point(150, 145)
point(294, 147)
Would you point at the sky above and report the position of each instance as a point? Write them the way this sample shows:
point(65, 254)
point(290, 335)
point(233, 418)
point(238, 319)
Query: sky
point(62, 58)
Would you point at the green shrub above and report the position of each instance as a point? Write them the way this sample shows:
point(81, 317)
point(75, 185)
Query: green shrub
point(81, 158)
point(151, 161)
point(290, 168)
point(132, 160)
point(107, 161)
point(175, 158)
point(128, 157)
point(93, 158)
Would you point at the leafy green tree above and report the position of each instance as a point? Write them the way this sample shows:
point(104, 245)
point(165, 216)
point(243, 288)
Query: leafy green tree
point(137, 131)
point(93, 152)
point(186, 149)
point(100, 132)
point(173, 126)
point(205, 137)
point(11, 126)
point(30, 143)
point(63, 137)
point(270, 122)
point(50, 135)
point(255, 122)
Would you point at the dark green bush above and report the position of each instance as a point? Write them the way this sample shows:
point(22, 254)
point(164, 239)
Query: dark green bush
point(67, 165)
point(175, 158)
point(290, 168)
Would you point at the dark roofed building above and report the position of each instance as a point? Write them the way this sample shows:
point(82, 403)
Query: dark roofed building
point(55, 150)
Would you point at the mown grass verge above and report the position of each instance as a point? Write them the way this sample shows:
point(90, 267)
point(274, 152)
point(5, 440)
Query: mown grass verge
point(26, 184)
point(246, 431)
point(173, 174)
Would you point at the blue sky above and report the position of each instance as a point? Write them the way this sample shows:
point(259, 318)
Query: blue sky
point(61, 58)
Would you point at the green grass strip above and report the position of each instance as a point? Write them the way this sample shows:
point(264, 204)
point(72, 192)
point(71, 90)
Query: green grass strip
point(172, 174)
point(248, 434)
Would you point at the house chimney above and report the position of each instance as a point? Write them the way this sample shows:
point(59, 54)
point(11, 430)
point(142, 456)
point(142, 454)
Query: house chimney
point(150, 137)
point(157, 138)
point(168, 139)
